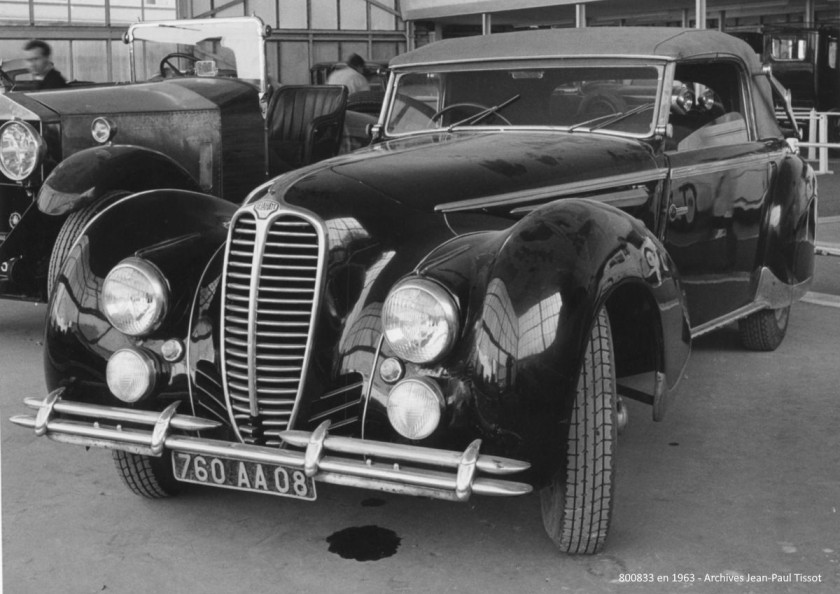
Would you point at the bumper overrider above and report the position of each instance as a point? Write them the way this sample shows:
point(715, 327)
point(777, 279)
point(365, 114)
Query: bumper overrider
point(382, 466)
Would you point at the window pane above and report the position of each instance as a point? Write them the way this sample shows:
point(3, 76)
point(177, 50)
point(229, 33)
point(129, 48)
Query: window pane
point(381, 20)
point(324, 14)
point(292, 14)
point(120, 67)
point(294, 63)
point(87, 14)
point(354, 14)
point(325, 51)
point(88, 62)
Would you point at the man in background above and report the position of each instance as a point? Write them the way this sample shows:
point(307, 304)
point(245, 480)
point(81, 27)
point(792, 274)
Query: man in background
point(351, 77)
point(38, 55)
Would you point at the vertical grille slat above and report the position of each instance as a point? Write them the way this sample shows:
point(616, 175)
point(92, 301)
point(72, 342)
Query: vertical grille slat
point(267, 324)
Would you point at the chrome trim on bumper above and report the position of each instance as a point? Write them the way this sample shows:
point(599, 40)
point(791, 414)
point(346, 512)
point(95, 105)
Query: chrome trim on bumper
point(441, 474)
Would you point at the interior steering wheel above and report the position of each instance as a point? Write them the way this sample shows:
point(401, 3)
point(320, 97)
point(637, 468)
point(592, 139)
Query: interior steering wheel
point(476, 106)
point(166, 62)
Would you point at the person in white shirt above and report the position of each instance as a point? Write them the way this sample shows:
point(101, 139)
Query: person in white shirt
point(351, 77)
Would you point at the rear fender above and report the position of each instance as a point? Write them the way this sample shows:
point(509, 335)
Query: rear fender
point(788, 235)
point(85, 176)
point(178, 231)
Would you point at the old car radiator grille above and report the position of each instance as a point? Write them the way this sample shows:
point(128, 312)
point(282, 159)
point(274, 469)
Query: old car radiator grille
point(269, 294)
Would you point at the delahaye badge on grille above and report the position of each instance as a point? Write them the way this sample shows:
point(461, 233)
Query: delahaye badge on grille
point(263, 208)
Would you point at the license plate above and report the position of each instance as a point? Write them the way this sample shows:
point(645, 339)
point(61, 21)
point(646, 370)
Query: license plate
point(244, 476)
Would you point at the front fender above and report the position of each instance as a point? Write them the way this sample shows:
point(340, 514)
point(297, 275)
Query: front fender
point(530, 314)
point(87, 175)
point(178, 231)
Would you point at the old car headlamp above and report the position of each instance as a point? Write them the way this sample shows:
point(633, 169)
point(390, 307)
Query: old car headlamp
point(130, 374)
point(21, 150)
point(135, 296)
point(102, 130)
point(420, 320)
point(414, 407)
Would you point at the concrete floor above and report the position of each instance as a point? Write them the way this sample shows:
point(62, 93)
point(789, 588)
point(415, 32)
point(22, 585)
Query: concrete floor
point(741, 479)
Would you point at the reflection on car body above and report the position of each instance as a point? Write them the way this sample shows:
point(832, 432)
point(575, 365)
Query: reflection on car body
point(461, 308)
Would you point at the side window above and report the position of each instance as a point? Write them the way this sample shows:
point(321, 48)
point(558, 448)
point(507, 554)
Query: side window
point(707, 107)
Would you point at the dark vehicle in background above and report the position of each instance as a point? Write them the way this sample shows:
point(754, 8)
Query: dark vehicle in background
point(803, 59)
point(196, 124)
point(14, 76)
point(459, 309)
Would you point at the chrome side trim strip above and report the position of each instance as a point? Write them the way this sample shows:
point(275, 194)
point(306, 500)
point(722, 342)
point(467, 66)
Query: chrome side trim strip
point(557, 191)
point(771, 293)
point(718, 166)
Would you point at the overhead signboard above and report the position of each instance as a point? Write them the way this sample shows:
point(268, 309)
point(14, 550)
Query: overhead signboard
point(413, 10)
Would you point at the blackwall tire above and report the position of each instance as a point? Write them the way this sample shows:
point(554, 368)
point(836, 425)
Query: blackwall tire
point(145, 475)
point(577, 504)
point(764, 330)
point(70, 231)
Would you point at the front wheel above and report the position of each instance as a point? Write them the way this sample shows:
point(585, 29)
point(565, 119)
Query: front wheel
point(145, 475)
point(764, 330)
point(577, 504)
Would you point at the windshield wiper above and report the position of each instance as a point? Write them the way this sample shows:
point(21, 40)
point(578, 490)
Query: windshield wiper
point(477, 117)
point(611, 118)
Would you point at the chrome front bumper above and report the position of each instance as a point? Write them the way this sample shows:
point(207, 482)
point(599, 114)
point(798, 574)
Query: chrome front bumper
point(382, 466)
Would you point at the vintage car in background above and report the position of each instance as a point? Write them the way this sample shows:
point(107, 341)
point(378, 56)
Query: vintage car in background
point(15, 76)
point(195, 124)
point(459, 309)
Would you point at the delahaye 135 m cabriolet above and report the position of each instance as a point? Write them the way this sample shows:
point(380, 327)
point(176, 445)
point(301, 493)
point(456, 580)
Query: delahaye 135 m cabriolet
point(543, 223)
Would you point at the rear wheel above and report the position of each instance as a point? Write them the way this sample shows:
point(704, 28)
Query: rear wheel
point(764, 330)
point(577, 504)
point(146, 476)
point(70, 232)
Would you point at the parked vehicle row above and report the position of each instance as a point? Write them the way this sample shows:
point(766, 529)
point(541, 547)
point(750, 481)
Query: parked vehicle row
point(543, 222)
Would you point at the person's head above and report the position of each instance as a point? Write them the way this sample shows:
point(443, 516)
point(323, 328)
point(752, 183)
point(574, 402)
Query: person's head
point(38, 56)
point(356, 62)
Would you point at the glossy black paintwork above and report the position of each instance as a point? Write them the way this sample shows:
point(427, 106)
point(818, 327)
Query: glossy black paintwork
point(175, 230)
point(528, 276)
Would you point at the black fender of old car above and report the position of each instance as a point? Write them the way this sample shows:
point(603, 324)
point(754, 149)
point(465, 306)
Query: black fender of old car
point(789, 222)
point(86, 176)
point(176, 230)
point(529, 296)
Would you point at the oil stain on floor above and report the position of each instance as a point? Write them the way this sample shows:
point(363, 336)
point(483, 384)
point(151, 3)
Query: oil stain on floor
point(364, 543)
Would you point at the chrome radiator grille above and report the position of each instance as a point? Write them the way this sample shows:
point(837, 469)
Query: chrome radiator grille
point(270, 289)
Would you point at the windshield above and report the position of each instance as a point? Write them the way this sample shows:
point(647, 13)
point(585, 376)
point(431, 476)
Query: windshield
point(608, 99)
point(230, 48)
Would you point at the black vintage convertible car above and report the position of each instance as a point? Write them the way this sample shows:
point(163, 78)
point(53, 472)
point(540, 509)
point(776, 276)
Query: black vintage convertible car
point(544, 222)
point(204, 118)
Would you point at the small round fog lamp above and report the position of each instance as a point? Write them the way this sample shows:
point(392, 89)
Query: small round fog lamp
point(391, 370)
point(130, 374)
point(415, 407)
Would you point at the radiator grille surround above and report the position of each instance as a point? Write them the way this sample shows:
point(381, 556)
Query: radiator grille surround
point(272, 283)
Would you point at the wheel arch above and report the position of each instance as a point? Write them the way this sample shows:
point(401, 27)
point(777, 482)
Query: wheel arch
point(87, 175)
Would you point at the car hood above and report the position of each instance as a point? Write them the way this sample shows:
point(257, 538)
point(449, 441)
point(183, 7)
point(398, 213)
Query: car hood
point(473, 170)
point(188, 94)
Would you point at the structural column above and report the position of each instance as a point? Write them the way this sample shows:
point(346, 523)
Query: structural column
point(486, 23)
point(580, 15)
point(700, 11)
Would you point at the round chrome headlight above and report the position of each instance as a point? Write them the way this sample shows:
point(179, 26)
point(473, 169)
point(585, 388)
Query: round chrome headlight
point(415, 407)
point(21, 150)
point(130, 374)
point(420, 321)
point(135, 297)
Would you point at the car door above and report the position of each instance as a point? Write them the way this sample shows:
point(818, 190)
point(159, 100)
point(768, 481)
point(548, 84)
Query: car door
point(719, 180)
